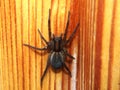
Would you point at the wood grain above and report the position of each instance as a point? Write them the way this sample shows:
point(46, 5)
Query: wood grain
point(96, 45)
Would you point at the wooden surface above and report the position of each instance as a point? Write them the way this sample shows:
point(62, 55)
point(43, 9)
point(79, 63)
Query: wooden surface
point(96, 45)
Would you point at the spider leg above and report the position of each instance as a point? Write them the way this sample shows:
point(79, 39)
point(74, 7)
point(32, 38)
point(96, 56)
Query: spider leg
point(67, 69)
point(45, 48)
point(49, 25)
point(66, 29)
point(42, 37)
point(66, 53)
point(73, 33)
point(45, 71)
point(69, 55)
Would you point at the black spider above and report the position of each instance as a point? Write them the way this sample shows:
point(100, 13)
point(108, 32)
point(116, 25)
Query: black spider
point(57, 48)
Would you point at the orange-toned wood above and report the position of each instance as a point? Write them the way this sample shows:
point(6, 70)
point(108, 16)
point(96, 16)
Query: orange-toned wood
point(96, 45)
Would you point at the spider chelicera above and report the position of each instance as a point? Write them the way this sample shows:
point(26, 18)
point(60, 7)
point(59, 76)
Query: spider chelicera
point(56, 48)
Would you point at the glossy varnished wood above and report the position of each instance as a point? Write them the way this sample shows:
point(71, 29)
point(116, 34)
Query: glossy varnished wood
point(96, 45)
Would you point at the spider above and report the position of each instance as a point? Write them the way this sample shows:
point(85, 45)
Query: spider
point(56, 48)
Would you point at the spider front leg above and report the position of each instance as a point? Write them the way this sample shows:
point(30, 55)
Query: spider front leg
point(42, 37)
point(33, 47)
point(49, 25)
point(66, 29)
point(73, 33)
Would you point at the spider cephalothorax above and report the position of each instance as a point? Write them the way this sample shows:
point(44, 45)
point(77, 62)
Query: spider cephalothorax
point(57, 48)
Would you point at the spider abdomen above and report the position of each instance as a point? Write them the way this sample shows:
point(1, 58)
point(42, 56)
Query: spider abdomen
point(56, 60)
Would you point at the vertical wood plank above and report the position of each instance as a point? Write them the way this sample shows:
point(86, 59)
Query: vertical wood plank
point(19, 45)
point(44, 30)
point(98, 44)
point(25, 40)
point(1, 47)
point(38, 42)
point(4, 58)
point(60, 28)
point(32, 33)
point(114, 64)
point(93, 35)
point(13, 41)
point(9, 43)
point(108, 10)
point(95, 45)
point(74, 5)
point(65, 76)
